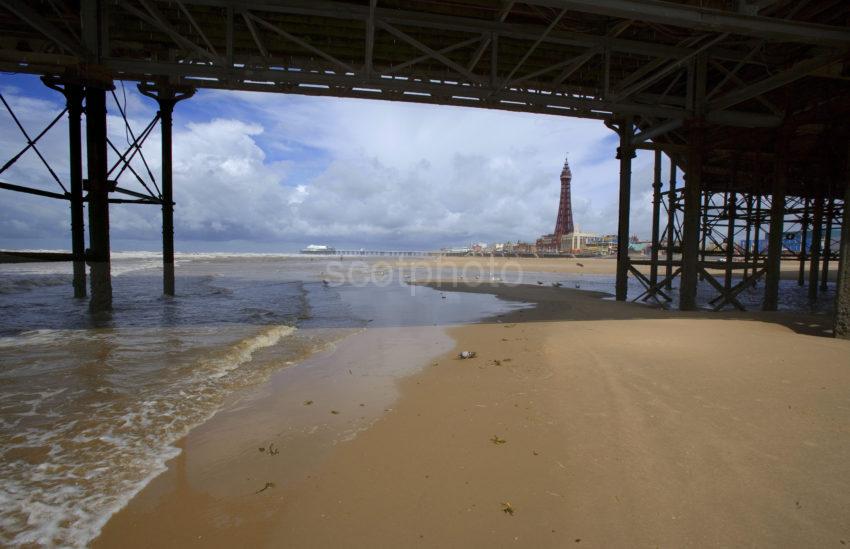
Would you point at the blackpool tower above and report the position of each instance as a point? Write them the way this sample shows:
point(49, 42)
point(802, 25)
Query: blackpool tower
point(564, 224)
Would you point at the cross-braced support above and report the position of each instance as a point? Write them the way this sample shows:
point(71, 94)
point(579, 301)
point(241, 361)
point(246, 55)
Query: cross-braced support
point(671, 226)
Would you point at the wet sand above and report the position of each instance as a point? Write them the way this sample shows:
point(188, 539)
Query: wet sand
point(581, 422)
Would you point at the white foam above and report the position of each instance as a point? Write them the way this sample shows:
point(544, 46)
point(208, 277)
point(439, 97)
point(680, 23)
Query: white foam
point(94, 466)
point(34, 337)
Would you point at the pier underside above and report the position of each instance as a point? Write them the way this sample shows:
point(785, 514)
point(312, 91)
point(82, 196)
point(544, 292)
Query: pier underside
point(749, 99)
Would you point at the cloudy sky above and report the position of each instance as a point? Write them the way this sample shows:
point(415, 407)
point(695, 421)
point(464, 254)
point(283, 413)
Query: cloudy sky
point(269, 172)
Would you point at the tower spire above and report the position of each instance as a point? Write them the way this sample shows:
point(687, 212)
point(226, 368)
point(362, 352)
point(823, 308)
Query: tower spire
point(564, 223)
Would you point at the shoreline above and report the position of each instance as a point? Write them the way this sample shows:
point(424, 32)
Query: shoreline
point(429, 461)
point(327, 399)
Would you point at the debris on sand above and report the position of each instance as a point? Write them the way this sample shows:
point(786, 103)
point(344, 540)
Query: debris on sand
point(497, 440)
point(335, 412)
point(467, 354)
point(272, 450)
point(266, 487)
point(507, 508)
point(308, 402)
point(580, 264)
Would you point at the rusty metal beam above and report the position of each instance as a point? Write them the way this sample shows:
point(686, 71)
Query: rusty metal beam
point(707, 19)
point(25, 13)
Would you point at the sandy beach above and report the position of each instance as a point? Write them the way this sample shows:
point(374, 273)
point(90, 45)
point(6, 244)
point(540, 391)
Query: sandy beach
point(581, 422)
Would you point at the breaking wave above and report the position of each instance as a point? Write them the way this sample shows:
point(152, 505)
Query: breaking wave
point(73, 456)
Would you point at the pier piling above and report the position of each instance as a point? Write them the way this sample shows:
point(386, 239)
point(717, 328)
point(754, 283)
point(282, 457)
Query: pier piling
point(625, 153)
point(732, 199)
point(98, 200)
point(691, 219)
point(73, 91)
point(841, 322)
point(777, 225)
point(671, 225)
point(656, 213)
point(827, 245)
point(814, 266)
point(167, 96)
point(804, 236)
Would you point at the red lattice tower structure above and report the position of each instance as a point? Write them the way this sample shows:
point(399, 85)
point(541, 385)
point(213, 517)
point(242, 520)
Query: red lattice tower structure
point(564, 224)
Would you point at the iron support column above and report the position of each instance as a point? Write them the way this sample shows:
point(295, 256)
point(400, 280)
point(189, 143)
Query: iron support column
point(841, 322)
point(656, 213)
point(706, 202)
point(814, 266)
point(756, 250)
point(827, 244)
point(73, 91)
point(166, 97)
point(730, 238)
point(74, 100)
point(748, 234)
point(691, 219)
point(166, 108)
point(777, 226)
point(98, 199)
point(625, 153)
point(671, 223)
point(804, 236)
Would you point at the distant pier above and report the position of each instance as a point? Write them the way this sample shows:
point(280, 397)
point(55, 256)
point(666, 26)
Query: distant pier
point(390, 253)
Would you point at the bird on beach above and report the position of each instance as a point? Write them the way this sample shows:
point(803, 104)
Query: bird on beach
point(556, 284)
point(540, 283)
point(325, 282)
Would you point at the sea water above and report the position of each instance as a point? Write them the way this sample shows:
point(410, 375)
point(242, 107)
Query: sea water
point(91, 407)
